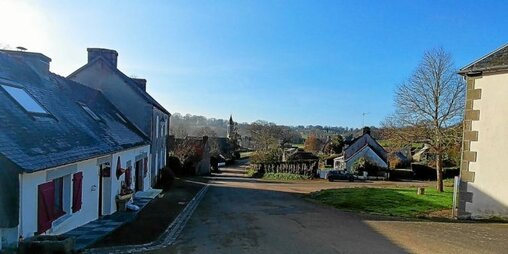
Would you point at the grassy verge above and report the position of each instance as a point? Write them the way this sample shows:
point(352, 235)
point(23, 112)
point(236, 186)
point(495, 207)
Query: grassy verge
point(245, 155)
point(401, 202)
point(251, 172)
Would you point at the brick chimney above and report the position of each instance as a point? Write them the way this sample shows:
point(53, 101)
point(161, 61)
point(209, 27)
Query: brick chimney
point(366, 130)
point(37, 61)
point(141, 82)
point(108, 54)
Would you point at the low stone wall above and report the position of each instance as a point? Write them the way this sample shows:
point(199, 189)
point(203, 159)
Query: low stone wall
point(307, 168)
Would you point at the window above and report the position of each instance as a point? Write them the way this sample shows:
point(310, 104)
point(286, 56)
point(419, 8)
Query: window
point(24, 99)
point(157, 127)
point(90, 112)
point(54, 200)
point(58, 209)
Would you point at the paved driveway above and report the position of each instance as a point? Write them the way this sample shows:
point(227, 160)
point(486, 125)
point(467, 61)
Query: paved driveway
point(240, 215)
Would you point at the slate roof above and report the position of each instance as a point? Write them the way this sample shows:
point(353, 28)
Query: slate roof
point(129, 81)
point(69, 134)
point(496, 60)
point(359, 143)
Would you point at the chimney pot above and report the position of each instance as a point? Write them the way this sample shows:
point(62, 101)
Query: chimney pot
point(108, 54)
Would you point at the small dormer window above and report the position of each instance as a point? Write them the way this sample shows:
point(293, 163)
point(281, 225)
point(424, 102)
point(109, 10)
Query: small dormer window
point(24, 99)
point(90, 112)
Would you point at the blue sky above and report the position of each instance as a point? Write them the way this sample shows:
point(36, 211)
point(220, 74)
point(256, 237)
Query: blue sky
point(289, 62)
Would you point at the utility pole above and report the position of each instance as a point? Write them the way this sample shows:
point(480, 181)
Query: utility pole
point(363, 118)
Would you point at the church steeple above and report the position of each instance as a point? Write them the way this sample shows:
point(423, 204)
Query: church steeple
point(231, 126)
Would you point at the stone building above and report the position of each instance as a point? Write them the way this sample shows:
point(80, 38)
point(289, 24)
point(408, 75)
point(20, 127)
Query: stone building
point(130, 97)
point(483, 191)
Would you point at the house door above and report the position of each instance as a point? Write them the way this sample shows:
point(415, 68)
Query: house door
point(139, 175)
point(101, 187)
point(104, 172)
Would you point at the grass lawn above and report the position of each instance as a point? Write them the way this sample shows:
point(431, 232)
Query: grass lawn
point(401, 202)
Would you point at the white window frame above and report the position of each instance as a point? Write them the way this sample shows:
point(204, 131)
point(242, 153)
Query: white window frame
point(90, 112)
point(157, 127)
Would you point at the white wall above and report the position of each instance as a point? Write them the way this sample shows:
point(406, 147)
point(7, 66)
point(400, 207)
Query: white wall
point(90, 197)
point(116, 184)
point(29, 198)
point(490, 190)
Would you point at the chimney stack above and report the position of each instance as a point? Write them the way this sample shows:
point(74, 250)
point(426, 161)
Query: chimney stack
point(141, 82)
point(38, 61)
point(366, 130)
point(111, 56)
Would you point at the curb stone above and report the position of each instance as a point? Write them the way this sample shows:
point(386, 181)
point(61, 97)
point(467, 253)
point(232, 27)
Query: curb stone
point(166, 239)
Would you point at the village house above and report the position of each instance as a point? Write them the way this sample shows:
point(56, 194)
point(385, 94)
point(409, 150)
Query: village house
point(130, 97)
point(363, 146)
point(65, 151)
point(483, 175)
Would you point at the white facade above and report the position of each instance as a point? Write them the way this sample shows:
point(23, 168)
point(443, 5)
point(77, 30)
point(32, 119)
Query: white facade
point(91, 187)
point(488, 188)
point(369, 155)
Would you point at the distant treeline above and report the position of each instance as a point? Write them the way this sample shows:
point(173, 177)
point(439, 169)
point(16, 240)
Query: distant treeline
point(192, 125)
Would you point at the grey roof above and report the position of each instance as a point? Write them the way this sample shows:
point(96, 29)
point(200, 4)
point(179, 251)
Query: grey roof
point(365, 140)
point(129, 81)
point(496, 60)
point(68, 134)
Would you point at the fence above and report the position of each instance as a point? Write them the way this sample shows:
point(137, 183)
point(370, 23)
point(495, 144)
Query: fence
point(306, 168)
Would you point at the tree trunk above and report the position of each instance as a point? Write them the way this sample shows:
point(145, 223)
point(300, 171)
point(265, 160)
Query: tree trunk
point(439, 172)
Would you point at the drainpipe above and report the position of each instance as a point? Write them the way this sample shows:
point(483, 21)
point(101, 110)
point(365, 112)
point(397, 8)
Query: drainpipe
point(20, 217)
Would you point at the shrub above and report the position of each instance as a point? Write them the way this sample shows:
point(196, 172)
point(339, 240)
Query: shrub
point(175, 165)
point(364, 165)
point(167, 179)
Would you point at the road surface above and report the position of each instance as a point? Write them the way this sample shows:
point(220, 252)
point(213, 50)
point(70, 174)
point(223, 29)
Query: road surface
point(241, 215)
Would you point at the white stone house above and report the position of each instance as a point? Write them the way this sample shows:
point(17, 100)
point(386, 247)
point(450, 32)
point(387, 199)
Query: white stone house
point(483, 189)
point(60, 143)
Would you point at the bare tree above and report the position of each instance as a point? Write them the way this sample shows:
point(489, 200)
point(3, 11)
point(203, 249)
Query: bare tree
point(179, 130)
point(312, 144)
point(428, 104)
point(206, 131)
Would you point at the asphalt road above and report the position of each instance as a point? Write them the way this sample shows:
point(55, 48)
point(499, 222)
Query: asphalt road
point(240, 215)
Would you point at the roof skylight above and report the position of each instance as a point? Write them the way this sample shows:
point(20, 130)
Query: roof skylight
point(24, 99)
point(90, 112)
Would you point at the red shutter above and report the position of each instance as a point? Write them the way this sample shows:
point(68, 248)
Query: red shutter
point(128, 177)
point(45, 206)
point(77, 191)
